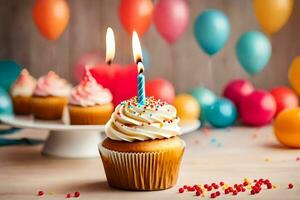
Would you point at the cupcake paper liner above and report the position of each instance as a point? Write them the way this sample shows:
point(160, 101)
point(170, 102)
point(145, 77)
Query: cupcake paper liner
point(48, 108)
point(141, 170)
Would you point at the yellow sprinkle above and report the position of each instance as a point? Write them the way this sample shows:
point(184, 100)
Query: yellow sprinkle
point(202, 195)
point(51, 193)
point(267, 159)
point(246, 180)
point(274, 186)
point(249, 187)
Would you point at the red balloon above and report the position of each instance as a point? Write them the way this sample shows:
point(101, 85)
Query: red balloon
point(235, 90)
point(121, 80)
point(136, 15)
point(257, 108)
point(171, 18)
point(51, 17)
point(284, 98)
point(161, 89)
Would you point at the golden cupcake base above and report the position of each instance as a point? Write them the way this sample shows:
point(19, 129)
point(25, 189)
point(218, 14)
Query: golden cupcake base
point(21, 105)
point(147, 166)
point(93, 115)
point(48, 108)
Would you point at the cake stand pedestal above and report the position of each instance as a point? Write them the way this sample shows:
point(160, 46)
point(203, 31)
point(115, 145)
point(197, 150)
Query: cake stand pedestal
point(64, 140)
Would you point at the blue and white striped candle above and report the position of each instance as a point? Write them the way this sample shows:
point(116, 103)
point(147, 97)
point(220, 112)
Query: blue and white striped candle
point(141, 84)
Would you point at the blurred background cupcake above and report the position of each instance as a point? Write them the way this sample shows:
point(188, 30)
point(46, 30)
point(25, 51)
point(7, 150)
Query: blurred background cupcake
point(50, 97)
point(90, 103)
point(142, 150)
point(21, 93)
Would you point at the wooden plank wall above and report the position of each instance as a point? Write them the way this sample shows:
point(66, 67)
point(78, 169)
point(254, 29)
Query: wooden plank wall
point(182, 63)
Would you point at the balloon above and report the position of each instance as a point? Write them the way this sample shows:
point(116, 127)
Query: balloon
point(284, 98)
point(136, 15)
point(294, 74)
point(161, 89)
point(187, 107)
point(235, 90)
point(205, 98)
point(212, 30)
point(272, 15)
point(120, 80)
point(258, 108)
point(5, 103)
point(222, 113)
point(9, 72)
point(253, 51)
point(171, 18)
point(51, 17)
point(90, 59)
point(287, 127)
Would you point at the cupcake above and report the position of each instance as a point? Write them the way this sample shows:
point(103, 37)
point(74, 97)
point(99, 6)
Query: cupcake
point(21, 92)
point(142, 150)
point(90, 103)
point(50, 96)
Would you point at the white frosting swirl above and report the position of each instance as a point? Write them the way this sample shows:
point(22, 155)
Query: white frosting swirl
point(89, 92)
point(24, 85)
point(131, 121)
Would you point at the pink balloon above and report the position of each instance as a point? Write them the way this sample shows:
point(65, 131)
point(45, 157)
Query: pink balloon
point(171, 18)
point(92, 59)
point(235, 90)
point(257, 108)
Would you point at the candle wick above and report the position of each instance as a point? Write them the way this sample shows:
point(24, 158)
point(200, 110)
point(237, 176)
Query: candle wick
point(109, 62)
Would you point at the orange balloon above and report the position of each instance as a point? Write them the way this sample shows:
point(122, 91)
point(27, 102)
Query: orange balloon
point(187, 107)
point(272, 15)
point(51, 17)
point(136, 15)
point(287, 127)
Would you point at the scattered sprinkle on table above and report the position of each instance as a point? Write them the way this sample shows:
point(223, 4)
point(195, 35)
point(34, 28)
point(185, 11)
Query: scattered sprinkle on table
point(254, 187)
point(41, 193)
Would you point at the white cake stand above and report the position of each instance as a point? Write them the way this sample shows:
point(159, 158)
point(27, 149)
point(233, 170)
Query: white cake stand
point(72, 141)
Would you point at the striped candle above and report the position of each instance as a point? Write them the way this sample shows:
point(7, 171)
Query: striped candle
point(141, 84)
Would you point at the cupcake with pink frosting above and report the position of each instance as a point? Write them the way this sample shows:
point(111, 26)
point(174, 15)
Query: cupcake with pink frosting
point(50, 96)
point(90, 103)
point(21, 93)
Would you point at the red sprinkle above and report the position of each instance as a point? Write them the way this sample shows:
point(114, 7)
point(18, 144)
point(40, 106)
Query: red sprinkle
point(41, 193)
point(216, 186)
point(198, 193)
point(185, 186)
point(234, 192)
point(68, 195)
point(290, 186)
point(205, 185)
point(209, 188)
point(180, 190)
point(252, 192)
point(245, 183)
point(221, 183)
point(76, 194)
point(218, 193)
point(269, 185)
point(213, 195)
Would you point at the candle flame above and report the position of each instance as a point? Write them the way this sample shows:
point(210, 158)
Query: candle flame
point(110, 45)
point(136, 48)
point(140, 67)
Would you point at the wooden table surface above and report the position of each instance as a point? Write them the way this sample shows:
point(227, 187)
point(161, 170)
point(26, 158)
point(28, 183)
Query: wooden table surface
point(211, 156)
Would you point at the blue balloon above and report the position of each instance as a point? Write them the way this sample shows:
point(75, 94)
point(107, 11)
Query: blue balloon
point(9, 72)
point(146, 58)
point(5, 103)
point(212, 30)
point(222, 113)
point(205, 98)
point(253, 51)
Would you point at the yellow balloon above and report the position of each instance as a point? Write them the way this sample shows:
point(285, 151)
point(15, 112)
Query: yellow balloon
point(287, 127)
point(294, 74)
point(187, 107)
point(272, 15)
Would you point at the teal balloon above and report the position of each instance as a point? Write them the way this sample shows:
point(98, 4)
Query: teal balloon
point(9, 72)
point(212, 30)
point(205, 98)
point(222, 113)
point(253, 51)
point(146, 58)
point(5, 103)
